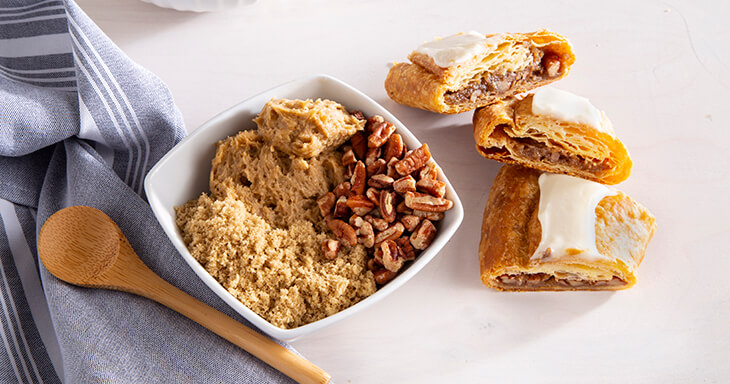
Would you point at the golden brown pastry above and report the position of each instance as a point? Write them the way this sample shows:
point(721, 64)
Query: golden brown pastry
point(526, 247)
point(468, 70)
point(553, 131)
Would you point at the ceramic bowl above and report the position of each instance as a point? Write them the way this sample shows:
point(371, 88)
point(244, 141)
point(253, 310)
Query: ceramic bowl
point(183, 173)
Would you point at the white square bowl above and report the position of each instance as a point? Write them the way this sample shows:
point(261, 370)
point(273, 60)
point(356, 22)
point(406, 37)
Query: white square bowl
point(183, 174)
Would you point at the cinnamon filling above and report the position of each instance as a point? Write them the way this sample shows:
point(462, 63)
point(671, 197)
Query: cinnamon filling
point(542, 280)
point(500, 85)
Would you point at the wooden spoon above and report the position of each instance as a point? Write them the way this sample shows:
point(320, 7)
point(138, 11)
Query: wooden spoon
point(83, 246)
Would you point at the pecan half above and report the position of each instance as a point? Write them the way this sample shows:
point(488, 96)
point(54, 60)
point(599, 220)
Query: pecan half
point(422, 237)
point(349, 157)
point(358, 115)
point(372, 155)
point(433, 216)
point(359, 144)
point(428, 203)
point(551, 63)
point(414, 160)
point(373, 121)
point(343, 231)
point(341, 208)
point(410, 222)
point(429, 171)
point(359, 178)
point(373, 195)
point(378, 223)
point(402, 208)
point(360, 205)
point(393, 232)
point(394, 147)
point(390, 168)
point(330, 247)
point(364, 231)
point(342, 189)
point(391, 259)
point(383, 276)
point(380, 135)
point(405, 248)
point(325, 203)
point(432, 187)
point(377, 166)
point(405, 184)
point(380, 181)
point(387, 205)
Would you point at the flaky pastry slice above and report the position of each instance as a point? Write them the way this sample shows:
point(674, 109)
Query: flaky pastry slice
point(547, 232)
point(462, 72)
point(554, 131)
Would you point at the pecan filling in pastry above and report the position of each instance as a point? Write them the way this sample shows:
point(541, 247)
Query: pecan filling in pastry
point(468, 70)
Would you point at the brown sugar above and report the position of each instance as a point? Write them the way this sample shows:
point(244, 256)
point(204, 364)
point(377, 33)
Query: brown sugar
point(259, 231)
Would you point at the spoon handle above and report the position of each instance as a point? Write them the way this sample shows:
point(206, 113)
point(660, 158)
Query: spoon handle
point(289, 363)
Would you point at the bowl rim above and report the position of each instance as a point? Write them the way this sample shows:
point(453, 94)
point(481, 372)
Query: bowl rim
point(443, 236)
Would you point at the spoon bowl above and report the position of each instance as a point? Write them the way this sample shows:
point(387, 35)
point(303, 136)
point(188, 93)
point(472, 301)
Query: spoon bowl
point(83, 246)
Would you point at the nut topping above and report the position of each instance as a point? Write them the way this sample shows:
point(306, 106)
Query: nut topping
point(428, 203)
point(410, 222)
point(343, 231)
point(394, 147)
point(358, 179)
point(341, 208)
point(325, 203)
point(405, 184)
point(390, 202)
point(391, 259)
point(330, 248)
point(381, 134)
point(360, 205)
point(387, 205)
point(358, 115)
point(359, 144)
point(393, 232)
point(423, 235)
point(342, 189)
point(380, 181)
point(414, 160)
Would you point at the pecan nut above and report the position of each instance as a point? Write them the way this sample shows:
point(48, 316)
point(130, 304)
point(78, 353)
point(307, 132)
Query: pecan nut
point(410, 222)
point(433, 216)
point(391, 257)
point(378, 223)
point(428, 203)
point(376, 167)
point(380, 135)
point(325, 203)
point(342, 189)
point(358, 115)
point(394, 147)
point(432, 187)
point(349, 157)
point(359, 144)
point(422, 237)
point(330, 247)
point(380, 181)
point(405, 184)
point(405, 248)
point(393, 232)
point(413, 161)
point(359, 178)
point(341, 208)
point(360, 205)
point(343, 232)
point(383, 276)
point(387, 205)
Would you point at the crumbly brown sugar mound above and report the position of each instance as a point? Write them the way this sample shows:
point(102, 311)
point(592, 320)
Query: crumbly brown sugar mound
point(259, 233)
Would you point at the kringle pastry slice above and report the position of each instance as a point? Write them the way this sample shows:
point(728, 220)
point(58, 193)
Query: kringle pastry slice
point(468, 70)
point(548, 232)
point(554, 131)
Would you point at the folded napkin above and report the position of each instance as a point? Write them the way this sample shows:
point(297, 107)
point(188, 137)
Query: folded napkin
point(81, 124)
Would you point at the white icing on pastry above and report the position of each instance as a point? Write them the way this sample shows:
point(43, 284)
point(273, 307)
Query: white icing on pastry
point(456, 49)
point(566, 106)
point(567, 215)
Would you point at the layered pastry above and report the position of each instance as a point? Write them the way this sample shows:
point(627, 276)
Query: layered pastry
point(553, 131)
point(550, 232)
point(468, 70)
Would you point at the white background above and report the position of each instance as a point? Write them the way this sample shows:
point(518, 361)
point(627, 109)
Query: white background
point(660, 70)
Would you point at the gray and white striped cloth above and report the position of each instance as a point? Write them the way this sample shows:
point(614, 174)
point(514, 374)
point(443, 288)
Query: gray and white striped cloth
point(81, 124)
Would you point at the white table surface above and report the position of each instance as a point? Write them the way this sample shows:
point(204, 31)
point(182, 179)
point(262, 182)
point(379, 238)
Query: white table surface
point(661, 71)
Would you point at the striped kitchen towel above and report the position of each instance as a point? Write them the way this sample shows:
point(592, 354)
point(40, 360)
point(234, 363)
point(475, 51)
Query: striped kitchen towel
point(81, 124)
